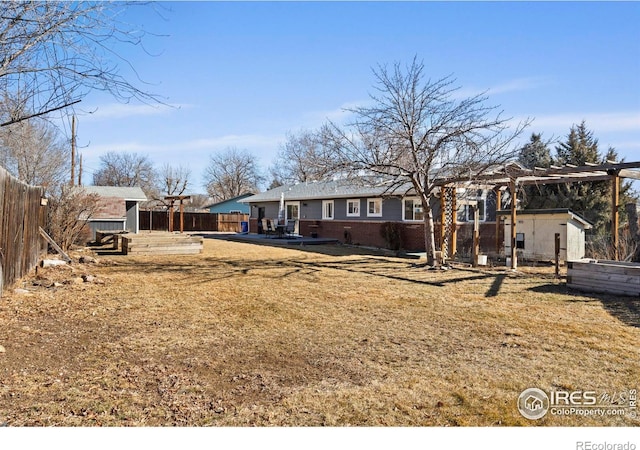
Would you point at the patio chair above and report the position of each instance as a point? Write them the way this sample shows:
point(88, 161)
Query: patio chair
point(267, 227)
point(290, 228)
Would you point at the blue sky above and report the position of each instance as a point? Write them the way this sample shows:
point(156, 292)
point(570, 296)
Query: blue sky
point(243, 74)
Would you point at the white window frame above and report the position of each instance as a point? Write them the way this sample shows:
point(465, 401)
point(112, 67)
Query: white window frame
point(467, 212)
point(374, 214)
point(286, 210)
point(325, 204)
point(357, 203)
point(414, 200)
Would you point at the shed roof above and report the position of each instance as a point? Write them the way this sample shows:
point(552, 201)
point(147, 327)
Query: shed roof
point(128, 193)
point(557, 211)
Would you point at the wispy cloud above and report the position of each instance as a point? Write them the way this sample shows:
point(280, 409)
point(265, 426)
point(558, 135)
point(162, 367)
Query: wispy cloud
point(598, 122)
point(121, 111)
point(189, 148)
point(508, 86)
point(339, 115)
point(520, 84)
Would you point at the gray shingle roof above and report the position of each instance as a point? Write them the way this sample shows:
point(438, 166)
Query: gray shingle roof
point(127, 193)
point(321, 190)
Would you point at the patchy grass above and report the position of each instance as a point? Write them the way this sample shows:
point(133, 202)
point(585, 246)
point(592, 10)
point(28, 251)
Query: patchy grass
point(254, 335)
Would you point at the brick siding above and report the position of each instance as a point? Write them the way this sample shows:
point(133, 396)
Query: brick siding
point(368, 233)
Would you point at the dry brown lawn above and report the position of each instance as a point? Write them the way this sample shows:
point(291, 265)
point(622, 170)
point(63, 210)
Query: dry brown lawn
point(253, 335)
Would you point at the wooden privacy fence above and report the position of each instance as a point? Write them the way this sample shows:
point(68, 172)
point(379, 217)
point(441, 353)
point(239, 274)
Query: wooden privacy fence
point(159, 221)
point(22, 217)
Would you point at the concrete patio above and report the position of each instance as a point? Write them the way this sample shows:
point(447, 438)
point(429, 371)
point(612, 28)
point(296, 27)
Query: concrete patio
point(285, 241)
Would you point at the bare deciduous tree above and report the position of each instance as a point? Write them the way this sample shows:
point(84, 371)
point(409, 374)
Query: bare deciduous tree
point(418, 131)
point(68, 213)
point(35, 153)
point(232, 173)
point(54, 53)
point(174, 179)
point(199, 201)
point(301, 159)
point(126, 169)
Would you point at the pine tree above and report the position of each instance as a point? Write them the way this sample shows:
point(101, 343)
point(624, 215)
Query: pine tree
point(534, 154)
point(580, 148)
point(589, 199)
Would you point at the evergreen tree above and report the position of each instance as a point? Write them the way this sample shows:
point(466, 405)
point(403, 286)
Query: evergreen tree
point(580, 148)
point(536, 153)
point(589, 199)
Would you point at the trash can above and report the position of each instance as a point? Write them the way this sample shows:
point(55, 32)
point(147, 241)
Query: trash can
point(244, 227)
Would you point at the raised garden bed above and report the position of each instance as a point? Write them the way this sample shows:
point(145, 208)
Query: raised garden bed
point(609, 277)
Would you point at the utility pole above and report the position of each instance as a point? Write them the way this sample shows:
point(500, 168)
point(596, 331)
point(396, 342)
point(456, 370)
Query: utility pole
point(73, 150)
point(80, 172)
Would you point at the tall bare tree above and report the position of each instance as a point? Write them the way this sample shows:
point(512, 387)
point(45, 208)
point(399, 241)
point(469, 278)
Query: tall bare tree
point(34, 152)
point(53, 53)
point(175, 180)
point(127, 169)
point(301, 159)
point(231, 173)
point(418, 131)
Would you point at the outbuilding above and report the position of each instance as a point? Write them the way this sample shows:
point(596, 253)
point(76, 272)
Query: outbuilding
point(536, 230)
point(117, 209)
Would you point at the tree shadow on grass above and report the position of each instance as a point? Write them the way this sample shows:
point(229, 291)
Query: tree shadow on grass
point(209, 269)
point(625, 309)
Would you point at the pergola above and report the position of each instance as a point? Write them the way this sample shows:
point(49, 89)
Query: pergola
point(172, 199)
point(512, 175)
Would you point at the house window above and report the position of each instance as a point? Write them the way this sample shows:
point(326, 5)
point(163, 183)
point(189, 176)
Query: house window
point(466, 210)
point(520, 241)
point(413, 209)
point(374, 207)
point(327, 209)
point(353, 208)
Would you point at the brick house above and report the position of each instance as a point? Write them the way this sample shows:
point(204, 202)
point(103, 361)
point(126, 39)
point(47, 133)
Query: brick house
point(117, 209)
point(358, 214)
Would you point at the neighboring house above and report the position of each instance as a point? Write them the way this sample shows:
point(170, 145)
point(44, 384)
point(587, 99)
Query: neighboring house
point(536, 230)
point(357, 214)
point(117, 208)
point(230, 206)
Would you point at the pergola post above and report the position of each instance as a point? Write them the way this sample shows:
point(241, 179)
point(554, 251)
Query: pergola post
point(454, 224)
point(615, 215)
point(181, 216)
point(498, 208)
point(476, 234)
point(172, 199)
point(443, 221)
point(514, 195)
point(171, 217)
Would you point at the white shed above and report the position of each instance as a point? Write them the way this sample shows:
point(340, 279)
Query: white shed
point(536, 229)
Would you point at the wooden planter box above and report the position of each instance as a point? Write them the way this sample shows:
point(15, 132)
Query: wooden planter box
point(161, 244)
point(608, 277)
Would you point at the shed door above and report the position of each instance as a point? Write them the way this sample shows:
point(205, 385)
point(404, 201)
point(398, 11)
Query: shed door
point(132, 217)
